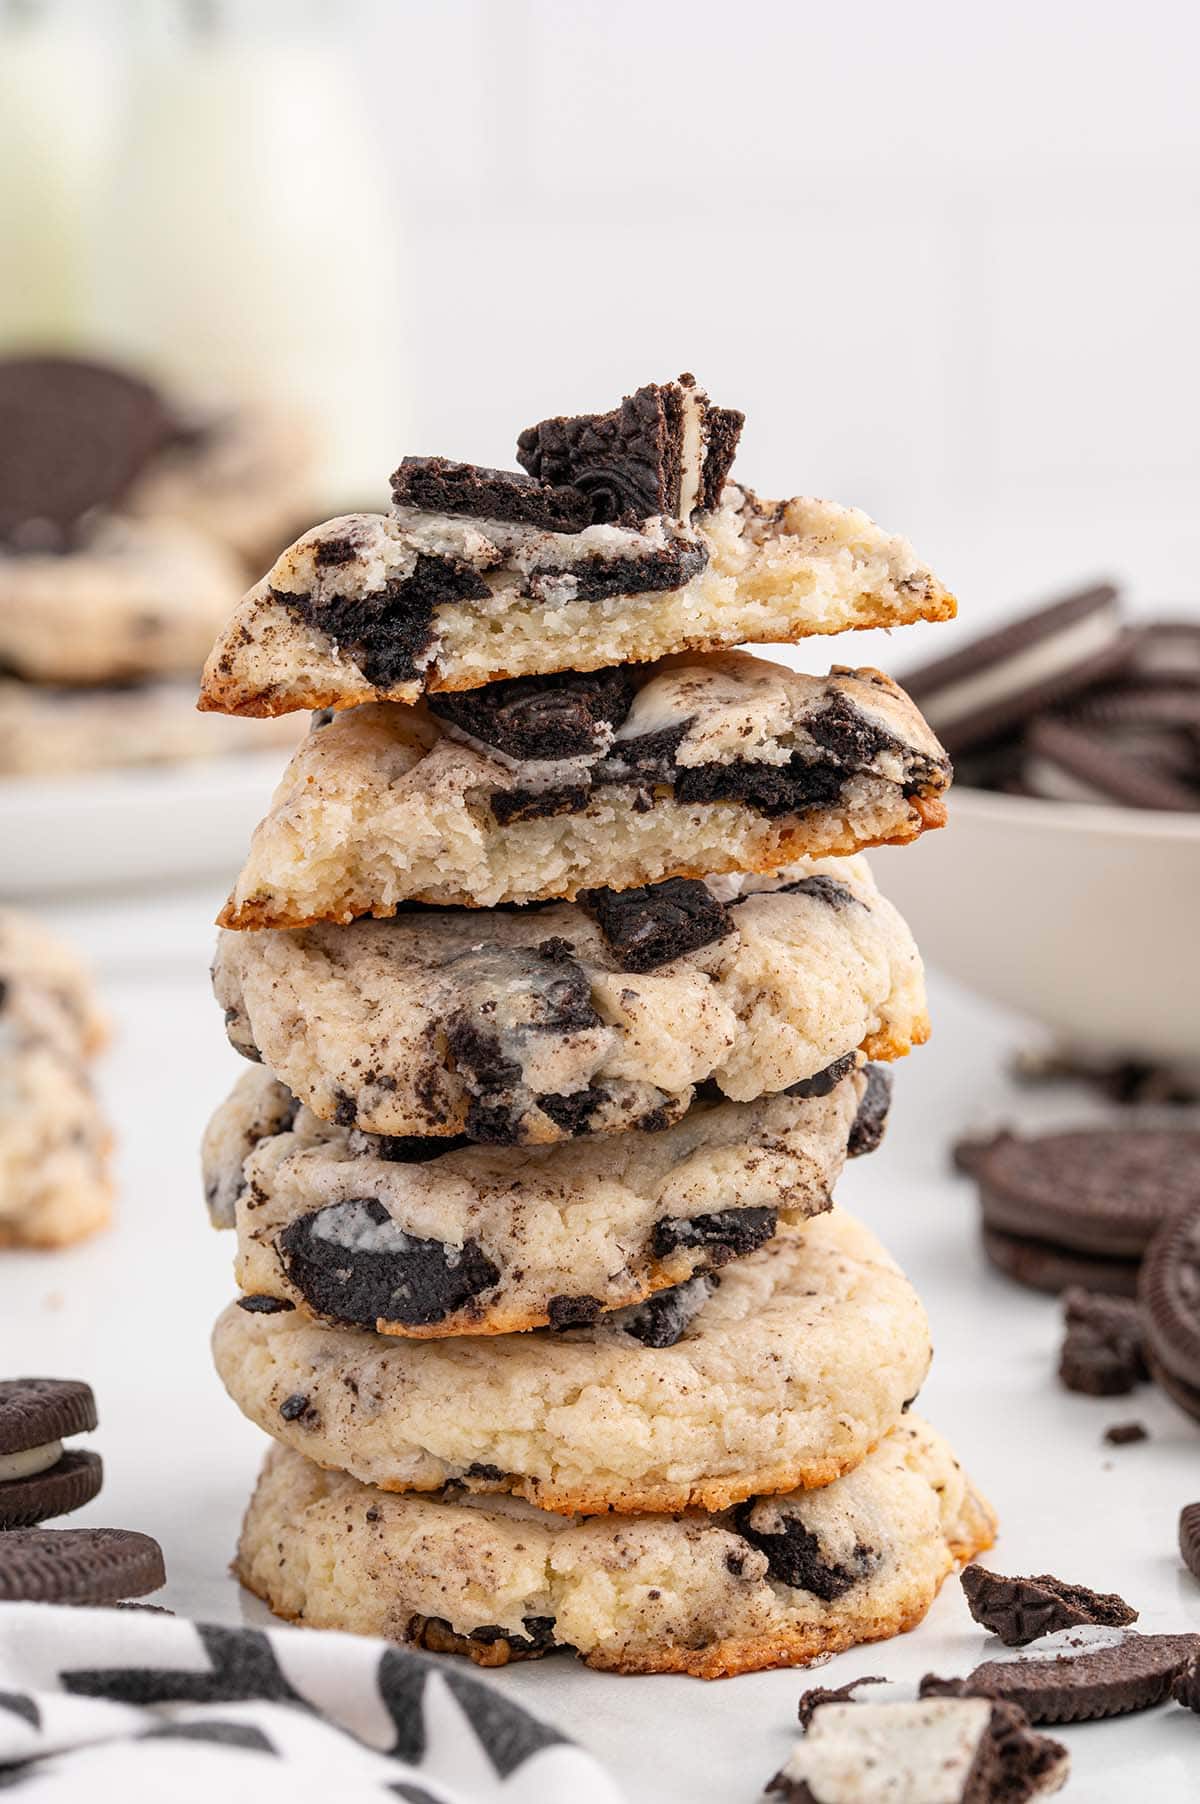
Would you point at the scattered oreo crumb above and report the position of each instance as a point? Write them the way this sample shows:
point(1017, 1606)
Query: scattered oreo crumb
point(1019, 1610)
point(817, 1695)
point(1102, 1352)
point(260, 1305)
point(1124, 1434)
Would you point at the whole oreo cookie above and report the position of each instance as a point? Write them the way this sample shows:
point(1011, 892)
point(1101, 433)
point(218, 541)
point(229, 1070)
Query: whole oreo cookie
point(38, 1479)
point(1083, 1686)
point(1169, 1298)
point(73, 435)
point(1040, 1266)
point(78, 1565)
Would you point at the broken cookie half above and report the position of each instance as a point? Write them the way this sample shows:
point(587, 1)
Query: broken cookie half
point(623, 540)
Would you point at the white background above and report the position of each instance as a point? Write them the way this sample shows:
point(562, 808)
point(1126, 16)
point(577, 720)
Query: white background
point(132, 1313)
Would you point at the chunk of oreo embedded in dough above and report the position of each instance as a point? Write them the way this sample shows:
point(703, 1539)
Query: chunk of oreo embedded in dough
point(350, 1262)
point(658, 922)
point(664, 1318)
point(795, 1555)
point(387, 632)
point(664, 451)
point(822, 1082)
point(828, 890)
point(873, 1110)
point(726, 1233)
point(1020, 1610)
point(438, 485)
point(570, 714)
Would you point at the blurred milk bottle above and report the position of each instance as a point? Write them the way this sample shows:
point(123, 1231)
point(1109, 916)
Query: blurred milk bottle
point(247, 248)
point(56, 103)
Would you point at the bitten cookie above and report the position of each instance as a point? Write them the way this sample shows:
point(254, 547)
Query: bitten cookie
point(623, 542)
point(432, 1237)
point(598, 1016)
point(539, 787)
point(779, 1581)
point(785, 1373)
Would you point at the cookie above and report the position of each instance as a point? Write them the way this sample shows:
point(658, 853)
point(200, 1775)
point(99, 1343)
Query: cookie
point(130, 600)
point(1004, 678)
point(433, 1237)
point(1020, 1610)
point(1069, 763)
point(1189, 1537)
point(779, 1582)
point(53, 732)
point(1040, 1266)
point(38, 1477)
point(542, 786)
point(73, 436)
point(1167, 652)
point(952, 1750)
point(479, 575)
point(529, 1026)
point(1102, 1353)
point(785, 1373)
point(1169, 1299)
point(1093, 1197)
point(78, 1565)
point(1084, 1683)
point(45, 991)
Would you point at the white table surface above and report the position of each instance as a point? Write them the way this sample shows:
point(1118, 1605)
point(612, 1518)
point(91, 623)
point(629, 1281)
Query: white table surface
point(131, 1312)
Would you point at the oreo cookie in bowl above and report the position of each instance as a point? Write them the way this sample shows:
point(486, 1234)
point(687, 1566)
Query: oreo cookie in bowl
point(129, 526)
point(1068, 889)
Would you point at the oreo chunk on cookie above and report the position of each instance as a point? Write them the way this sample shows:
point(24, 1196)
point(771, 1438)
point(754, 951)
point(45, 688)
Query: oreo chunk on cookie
point(665, 451)
point(39, 1478)
point(955, 1750)
point(1020, 1610)
point(388, 631)
point(570, 714)
point(650, 926)
point(438, 485)
point(352, 1263)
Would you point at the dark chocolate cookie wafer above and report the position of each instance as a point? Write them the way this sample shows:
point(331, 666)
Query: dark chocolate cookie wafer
point(73, 436)
point(1168, 652)
point(78, 1565)
point(1189, 1537)
point(1169, 1298)
point(37, 1478)
point(1082, 1686)
point(1099, 1193)
point(1186, 1689)
point(1003, 679)
point(1019, 1610)
point(1068, 763)
point(1040, 1266)
point(1102, 1353)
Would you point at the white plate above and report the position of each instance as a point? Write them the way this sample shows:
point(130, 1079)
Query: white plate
point(125, 828)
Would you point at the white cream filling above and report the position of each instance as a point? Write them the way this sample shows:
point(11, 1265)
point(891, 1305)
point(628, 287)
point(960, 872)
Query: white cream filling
point(691, 462)
point(1033, 665)
point(29, 1461)
point(868, 1753)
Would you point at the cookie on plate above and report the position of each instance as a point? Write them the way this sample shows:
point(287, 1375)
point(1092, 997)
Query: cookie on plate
point(433, 1237)
point(784, 1373)
point(778, 1581)
point(597, 1016)
point(541, 786)
point(624, 542)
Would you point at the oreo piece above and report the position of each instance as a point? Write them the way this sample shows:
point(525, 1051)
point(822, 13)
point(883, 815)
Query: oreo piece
point(652, 925)
point(725, 1234)
point(822, 1082)
point(1068, 763)
point(1121, 1080)
point(663, 1319)
point(438, 485)
point(566, 715)
point(351, 1263)
point(868, 1126)
point(388, 632)
point(38, 1479)
point(816, 1695)
point(1126, 1434)
point(1102, 1353)
point(657, 569)
point(1083, 1686)
point(1096, 1192)
point(1169, 1299)
point(73, 436)
point(78, 1565)
point(1020, 1610)
point(1189, 1537)
point(650, 456)
point(1006, 677)
point(1040, 1266)
point(1186, 1689)
point(795, 1556)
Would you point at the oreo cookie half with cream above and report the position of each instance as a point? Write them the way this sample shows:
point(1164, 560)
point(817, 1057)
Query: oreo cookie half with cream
point(1000, 681)
point(1169, 1296)
point(1069, 763)
point(40, 1478)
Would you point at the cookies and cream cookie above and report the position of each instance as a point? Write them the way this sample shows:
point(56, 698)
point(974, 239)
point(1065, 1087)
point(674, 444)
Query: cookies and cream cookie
point(784, 1373)
point(433, 1237)
point(777, 1581)
point(538, 1024)
point(542, 786)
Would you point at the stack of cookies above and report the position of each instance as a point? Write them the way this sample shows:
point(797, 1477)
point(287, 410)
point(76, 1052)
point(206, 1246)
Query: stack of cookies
point(563, 983)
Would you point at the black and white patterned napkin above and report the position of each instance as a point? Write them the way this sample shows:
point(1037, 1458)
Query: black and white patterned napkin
point(129, 1705)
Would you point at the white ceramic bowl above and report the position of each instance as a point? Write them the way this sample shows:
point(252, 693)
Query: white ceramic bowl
point(1086, 918)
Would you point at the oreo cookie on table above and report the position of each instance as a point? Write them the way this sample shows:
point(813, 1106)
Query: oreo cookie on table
point(1169, 1300)
point(73, 436)
point(999, 682)
point(1081, 1207)
point(78, 1565)
point(38, 1477)
point(1089, 1680)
